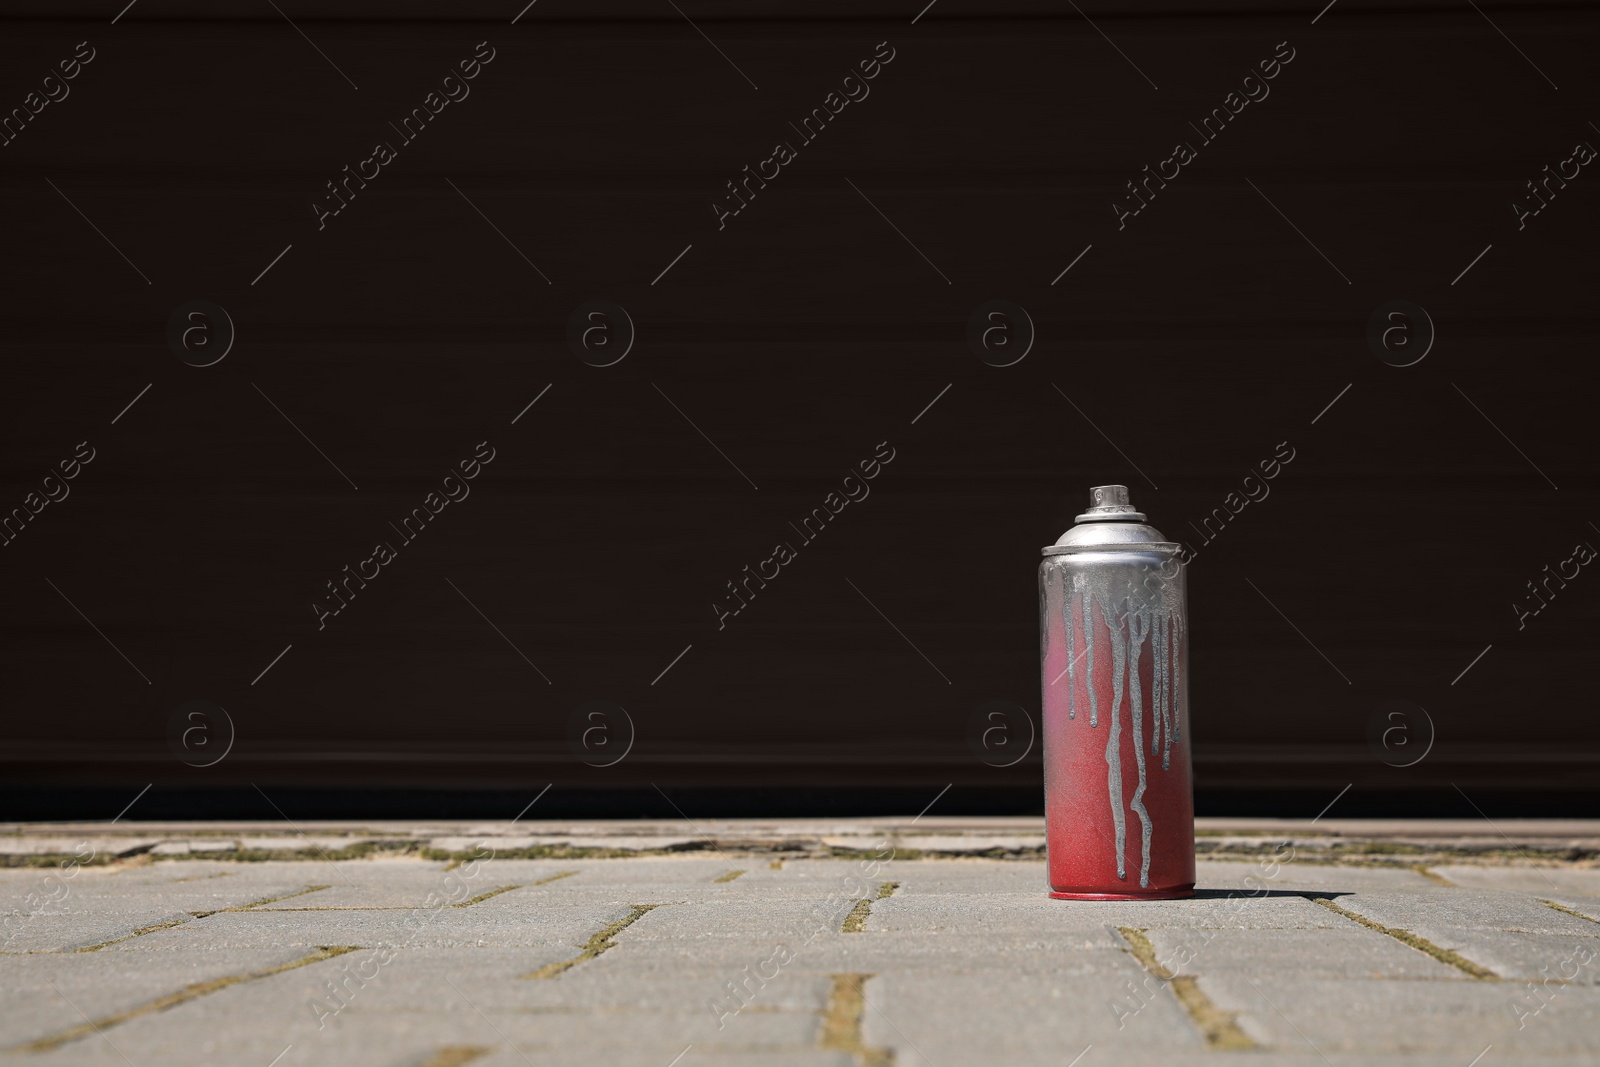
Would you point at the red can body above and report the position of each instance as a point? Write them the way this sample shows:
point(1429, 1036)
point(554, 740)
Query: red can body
point(1119, 798)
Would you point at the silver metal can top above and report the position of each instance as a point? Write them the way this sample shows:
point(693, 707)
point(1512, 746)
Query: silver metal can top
point(1109, 503)
point(1110, 521)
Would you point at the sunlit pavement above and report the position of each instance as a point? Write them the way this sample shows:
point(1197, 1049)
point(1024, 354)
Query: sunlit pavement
point(871, 941)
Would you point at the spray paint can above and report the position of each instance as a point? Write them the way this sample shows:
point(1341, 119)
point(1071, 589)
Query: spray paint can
point(1113, 628)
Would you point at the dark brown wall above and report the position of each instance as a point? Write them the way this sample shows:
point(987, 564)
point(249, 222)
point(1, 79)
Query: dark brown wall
point(797, 338)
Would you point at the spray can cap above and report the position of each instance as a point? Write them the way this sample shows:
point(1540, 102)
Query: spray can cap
point(1109, 503)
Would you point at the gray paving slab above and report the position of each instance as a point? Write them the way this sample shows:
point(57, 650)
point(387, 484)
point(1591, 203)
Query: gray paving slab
point(701, 869)
point(1266, 954)
point(41, 994)
point(1348, 1015)
point(99, 909)
point(1007, 1017)
point(1467, 909)
point(1539, 881)
point(1513, 935)
point(440, 927)
point(385, 883)
point(1280, 872)
point(1587, 907)
point(911, 910)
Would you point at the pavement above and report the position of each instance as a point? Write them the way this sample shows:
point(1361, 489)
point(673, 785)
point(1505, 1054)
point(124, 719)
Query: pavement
point(865, 941)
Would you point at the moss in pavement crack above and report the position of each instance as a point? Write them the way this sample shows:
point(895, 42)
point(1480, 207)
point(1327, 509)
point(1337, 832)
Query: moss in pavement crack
point(597, 944)
point(856, 921)
point(842, 1020)
point(1220, 1028)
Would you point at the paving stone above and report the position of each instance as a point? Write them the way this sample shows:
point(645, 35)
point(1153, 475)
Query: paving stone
point(1538, 881)
point(1588, 907)
point(948, 843)
point(1513, 935)
point(299, 842)
point(102, 983)
point(1470, 909)
point(71, 845)
point(98, 908)
point(380, 883)
point(948, 876)
point(1354, 1016)
point(1281, 874)
point(1006, 1017)
point(1265, 954)
point(701, 869)
point(180, 848)
point(604, 1021)
point(619, 841)
point(909, 909)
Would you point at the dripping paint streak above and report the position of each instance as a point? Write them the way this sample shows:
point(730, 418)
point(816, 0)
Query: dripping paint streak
point(1114, 738)
point(1157, 694)
point(1088, 638)
point(1138, 627)
point(1169, 687)
point(1177, 653)
point(1045, 601)
point(1072, 644)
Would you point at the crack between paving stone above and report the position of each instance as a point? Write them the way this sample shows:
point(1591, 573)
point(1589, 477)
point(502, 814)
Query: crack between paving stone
point(1564, 908)
point(1433, 876)
point(598, 943)
point(263, 902)
point(456, 1055)
point(555, 878)
point(856, 921)
point(842, 1020)
point(396, 907)
point(137, 933)
point(193, 915)
point(1421, 944)
point(172, 1000)
point(484, 896)
point(1219, 1028)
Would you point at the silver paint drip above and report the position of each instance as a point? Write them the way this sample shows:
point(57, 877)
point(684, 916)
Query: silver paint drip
point(1072, 645)
point(1177, 642)
point(1114, 736)
point(1088, 641)
point(1138, 627)
point(1158, 697)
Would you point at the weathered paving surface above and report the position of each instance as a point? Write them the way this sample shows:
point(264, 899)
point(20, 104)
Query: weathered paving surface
point(804, 942)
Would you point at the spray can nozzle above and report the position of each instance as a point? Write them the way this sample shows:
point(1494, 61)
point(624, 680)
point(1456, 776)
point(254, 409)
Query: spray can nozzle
point(1109, 503)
